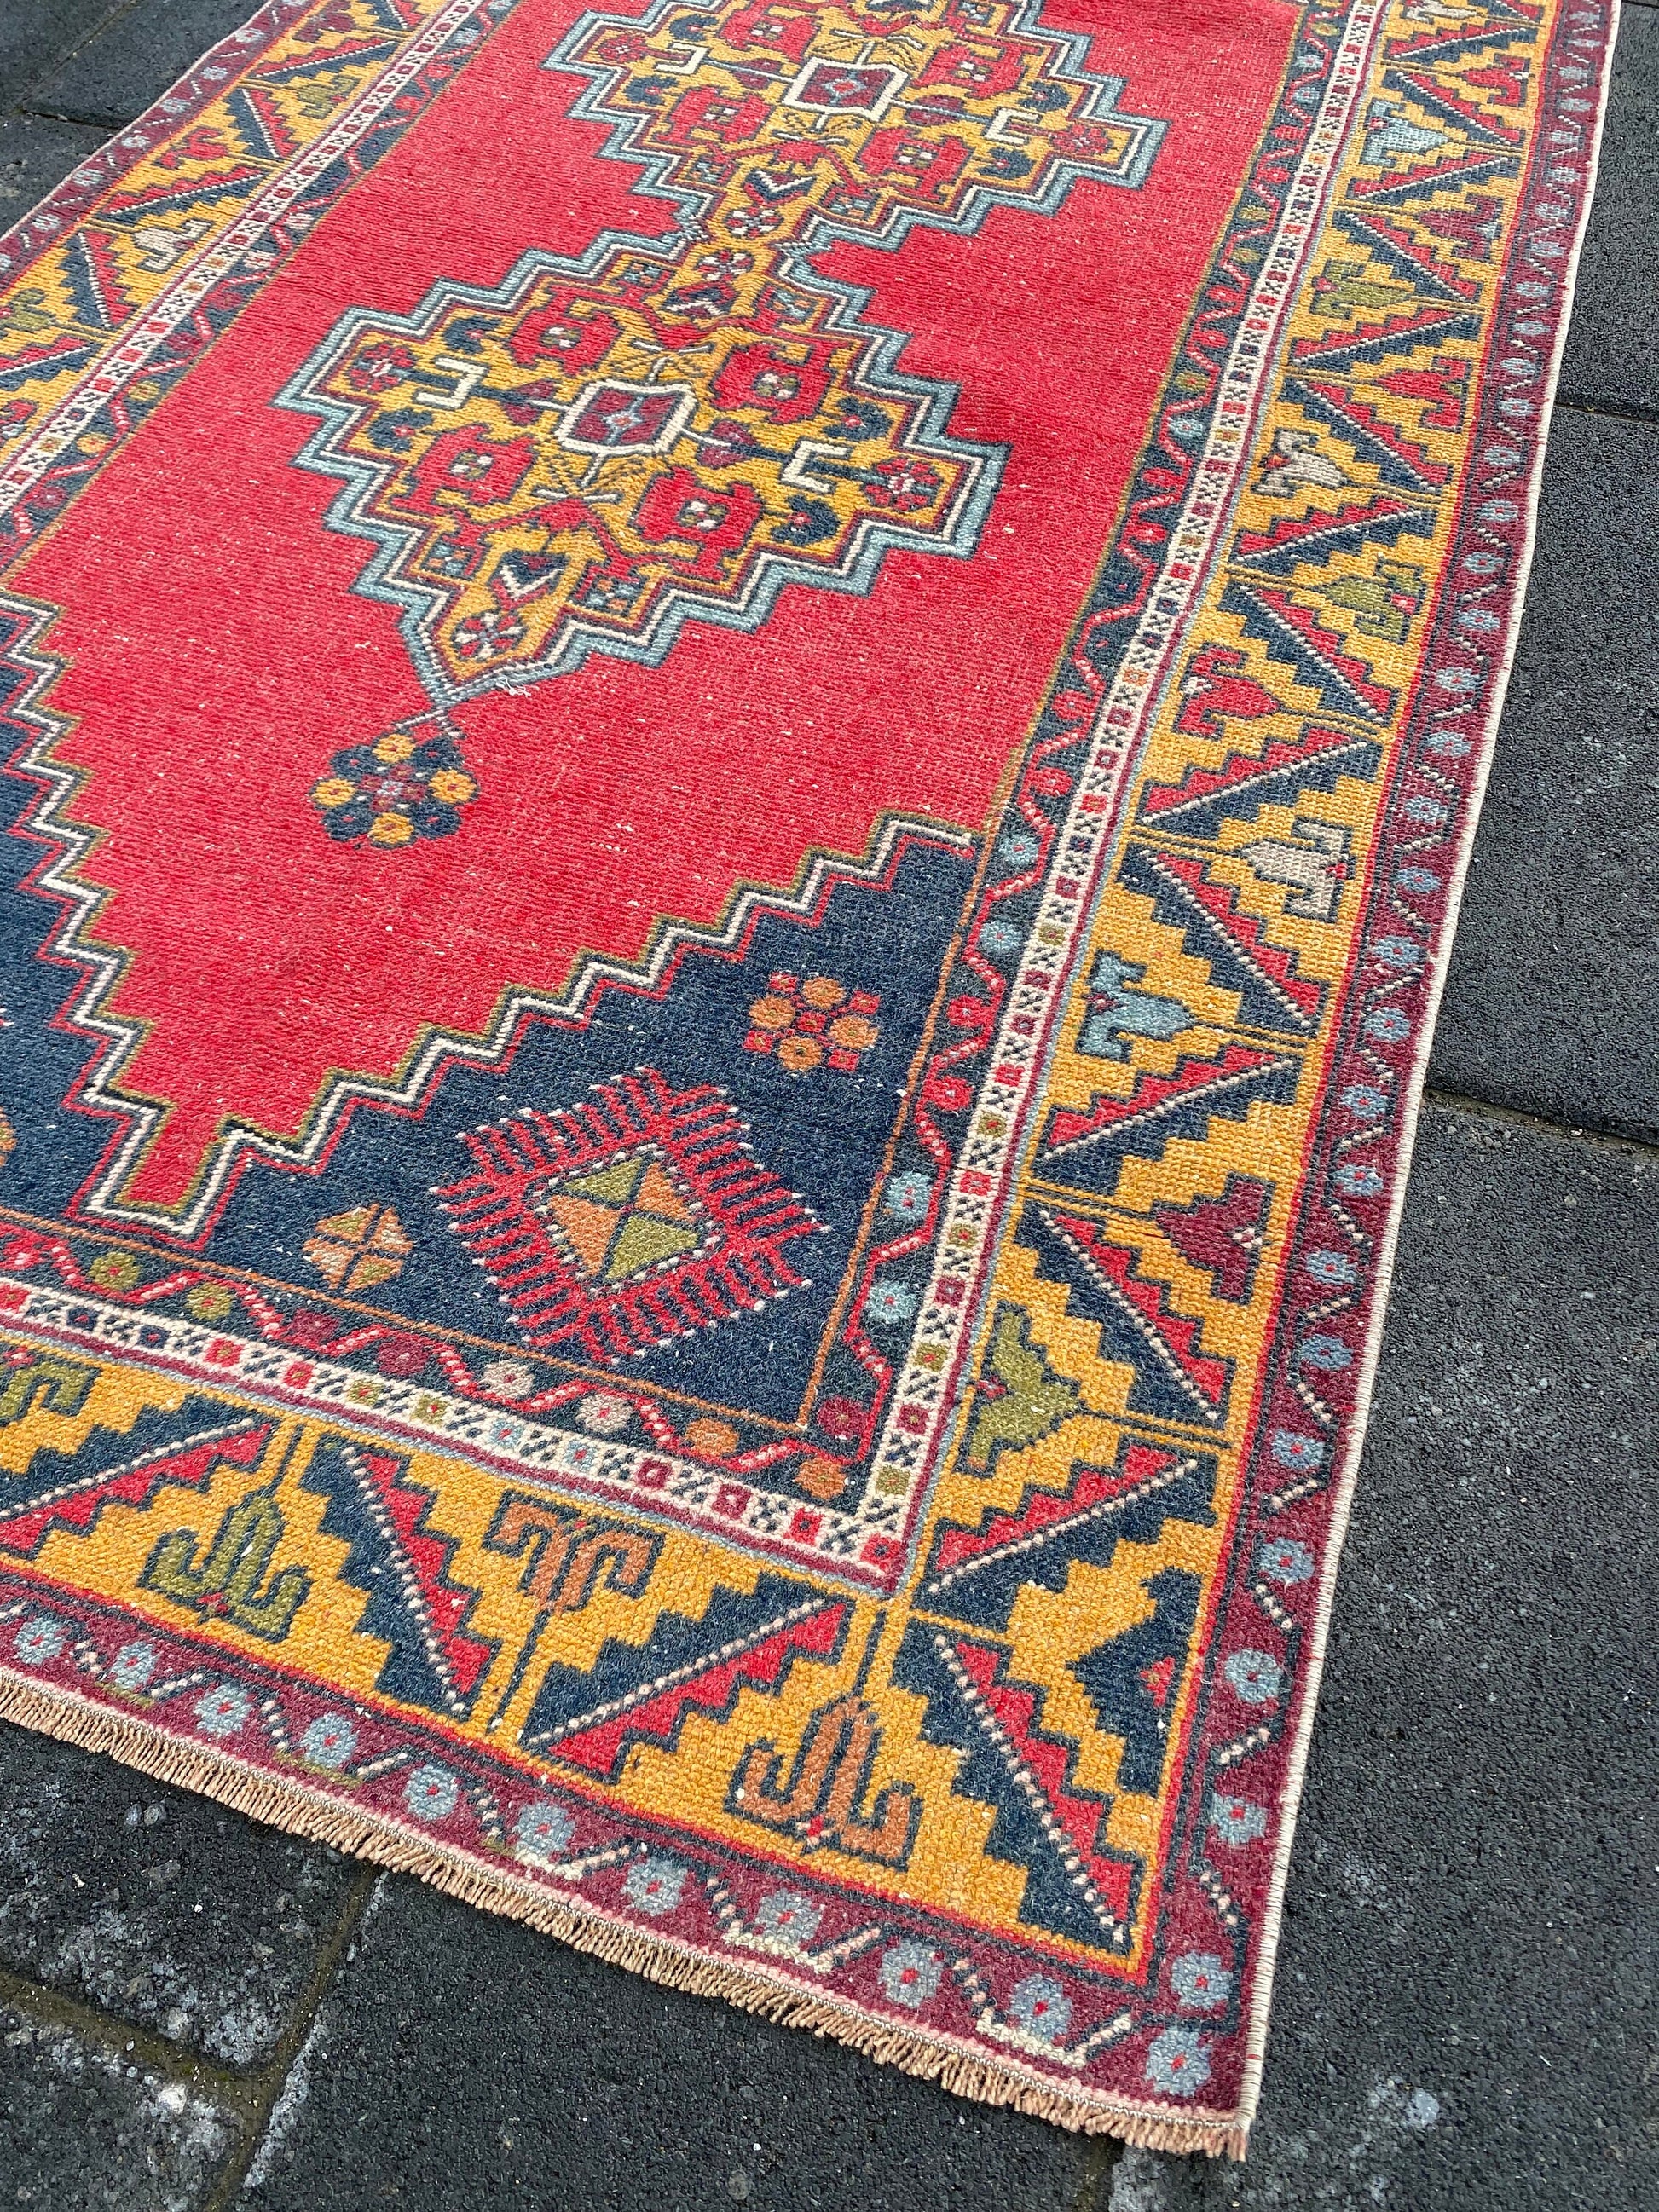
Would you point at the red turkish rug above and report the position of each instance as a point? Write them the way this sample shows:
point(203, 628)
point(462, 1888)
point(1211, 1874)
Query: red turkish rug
point(740, 739)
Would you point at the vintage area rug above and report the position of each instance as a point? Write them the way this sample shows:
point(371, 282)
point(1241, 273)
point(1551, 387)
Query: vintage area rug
point(740, 735)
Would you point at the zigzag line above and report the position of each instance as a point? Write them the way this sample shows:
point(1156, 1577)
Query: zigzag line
point(1183, 895)
point(1154, 1112)
point(128, 208)
point(54, 358)
point(1466, 38)
point(1375, 342)
point(1314, 539)
point(1173, 1340)
point(1399, 461)
point(1395, 189)
point(1462, 114)
point(52, 822)
point(1294, 634)
point(1407, 255)
point(1245, 782)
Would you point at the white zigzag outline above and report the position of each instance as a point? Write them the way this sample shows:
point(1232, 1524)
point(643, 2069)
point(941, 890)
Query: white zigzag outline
point(436, 1047)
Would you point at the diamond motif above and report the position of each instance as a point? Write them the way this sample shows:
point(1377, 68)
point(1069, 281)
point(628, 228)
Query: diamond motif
point(623, 1219)
point(614, 1227)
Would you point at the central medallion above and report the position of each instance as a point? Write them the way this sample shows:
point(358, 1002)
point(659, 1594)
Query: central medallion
point(599, 449)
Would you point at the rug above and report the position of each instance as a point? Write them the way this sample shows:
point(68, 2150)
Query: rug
point(740, 742)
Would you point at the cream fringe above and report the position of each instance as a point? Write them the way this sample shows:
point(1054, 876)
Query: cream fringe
point(292, 1805)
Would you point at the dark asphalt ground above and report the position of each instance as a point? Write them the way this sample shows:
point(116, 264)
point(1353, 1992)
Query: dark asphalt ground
point(197, 2012)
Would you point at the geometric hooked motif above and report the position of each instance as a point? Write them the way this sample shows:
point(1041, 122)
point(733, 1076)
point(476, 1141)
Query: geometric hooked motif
point(621, 1224)
point(1077, 1885)
point(742, 734)
point(403, 1564)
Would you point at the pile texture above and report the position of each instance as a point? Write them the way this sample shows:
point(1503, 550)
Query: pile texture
point(739, 742)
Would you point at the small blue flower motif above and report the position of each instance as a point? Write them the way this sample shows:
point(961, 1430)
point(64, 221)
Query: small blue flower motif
point(890, 1303)
point(329, 1741)
point(909, 1973)
point(1429, 811)
point(1388, 1025)
point(1177, 2062)
point(1499, 510)
point(1334, 1269)
point(40, 1639)
point(1365, 1100)
point(998, 938)
point(1411, 878)
point(788, 1915)
point(1328, 1354)
point(1460, 682)
point(1484, 564)
point(907, 1195)
point(1237, 1820)
point(541, 1833)
point(1201, 1981)
point(1299, 1452)
point(1480, 621)
point(1358, 1179)
point(1255, 1676)
point(1403, 954)
point(133, 1665)
point(223, 1711)
point(1018, 849)
point(1041, 2006)
point(1283, 1560)
point(1448, 745)
point(430, 1793)
point(654, 1885)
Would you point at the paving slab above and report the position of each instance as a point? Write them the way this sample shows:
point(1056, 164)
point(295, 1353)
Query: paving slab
point(466, 2065)
point(1551, 1005)
point(1612, 359)
point(35, 35)
point(144, 48)
point(86, 2127)
point(157, 1906)
point(1466, 2015)
point(36, 152)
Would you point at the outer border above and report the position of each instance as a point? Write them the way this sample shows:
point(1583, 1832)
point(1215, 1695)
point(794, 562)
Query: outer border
point(1412, 1097)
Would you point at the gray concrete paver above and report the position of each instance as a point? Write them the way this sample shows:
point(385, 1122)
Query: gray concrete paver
point(36, 153)
point(1612, 359)
point(1551, 1005)
point(36, 34)
point(87, 2127)
point(467, 2064)
point(156, 1905)
point(132, 61)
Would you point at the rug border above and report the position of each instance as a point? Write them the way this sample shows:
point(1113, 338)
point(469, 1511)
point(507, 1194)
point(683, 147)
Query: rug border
point(382, 1839)
point(1343, 1489)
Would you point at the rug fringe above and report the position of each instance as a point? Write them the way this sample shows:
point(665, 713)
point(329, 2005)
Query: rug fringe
point(294, 1807)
